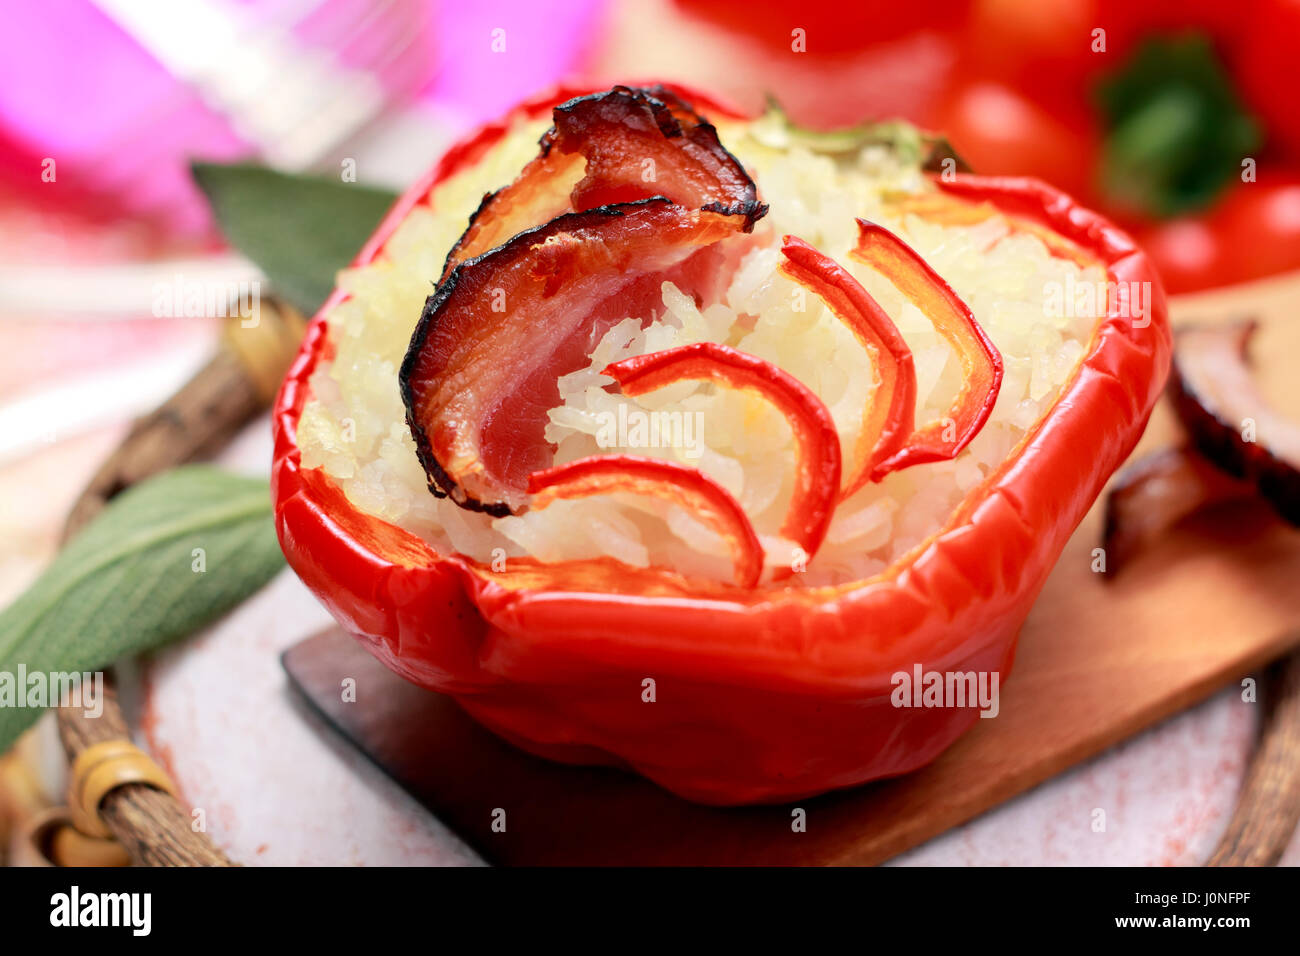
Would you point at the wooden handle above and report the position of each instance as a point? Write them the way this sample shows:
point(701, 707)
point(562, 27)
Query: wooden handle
point(153, 826)
point(197, 421)
point(1268, 808)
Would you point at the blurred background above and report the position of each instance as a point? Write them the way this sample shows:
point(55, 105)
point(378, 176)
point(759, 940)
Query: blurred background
point(1176, 118)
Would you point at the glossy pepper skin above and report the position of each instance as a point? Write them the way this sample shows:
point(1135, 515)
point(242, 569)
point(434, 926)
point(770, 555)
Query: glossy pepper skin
point(759, 695)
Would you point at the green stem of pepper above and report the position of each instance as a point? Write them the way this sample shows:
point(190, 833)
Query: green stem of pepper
point(1178, 132)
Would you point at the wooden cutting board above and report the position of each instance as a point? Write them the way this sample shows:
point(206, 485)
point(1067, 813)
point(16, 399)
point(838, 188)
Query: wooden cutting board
point(1098, 661)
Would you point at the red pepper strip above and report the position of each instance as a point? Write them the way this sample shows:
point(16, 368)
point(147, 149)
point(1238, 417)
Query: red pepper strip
point(817, 480)
point(688, 487)
point(952, 318)
point(891, 414)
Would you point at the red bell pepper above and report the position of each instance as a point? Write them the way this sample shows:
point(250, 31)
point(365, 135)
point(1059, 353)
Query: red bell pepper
point(785, 690)
point(1148, 108)
point(817, 474)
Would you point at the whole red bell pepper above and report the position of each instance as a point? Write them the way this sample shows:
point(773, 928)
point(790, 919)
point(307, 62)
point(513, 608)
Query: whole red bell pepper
point(720, 694)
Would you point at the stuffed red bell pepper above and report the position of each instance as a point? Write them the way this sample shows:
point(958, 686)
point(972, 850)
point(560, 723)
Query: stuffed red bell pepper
point(674, 442)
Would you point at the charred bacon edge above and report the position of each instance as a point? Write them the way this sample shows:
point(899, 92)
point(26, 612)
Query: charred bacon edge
point(1274, 471)
point(441, 484)
point(667, 118)
point(656, 97)
point(1154, 493)
point(670, 125)
point(480, 210)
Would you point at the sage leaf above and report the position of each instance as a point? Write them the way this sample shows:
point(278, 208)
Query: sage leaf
point(300, 230)
point(164, 558)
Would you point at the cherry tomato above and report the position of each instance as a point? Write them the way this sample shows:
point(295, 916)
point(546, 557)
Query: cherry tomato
point(1000, 132)
point(1188, 254)
point(1259, 225)
point(1252, 233)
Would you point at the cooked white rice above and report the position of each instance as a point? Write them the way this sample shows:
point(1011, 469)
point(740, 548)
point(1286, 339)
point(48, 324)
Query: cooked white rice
point(354, 425)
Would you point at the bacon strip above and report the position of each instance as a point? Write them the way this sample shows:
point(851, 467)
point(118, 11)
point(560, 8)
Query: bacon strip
point(1219, 402)
point(631, 189)
point(614, 147)
point(481, 371)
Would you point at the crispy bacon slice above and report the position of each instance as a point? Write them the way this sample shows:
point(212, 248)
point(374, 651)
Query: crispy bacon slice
point(817, 479)
point(1230, 422)
point(688, 487)
point(613, 147)
point(481, 370)
point(890, 417)
point(1154, 493)
point(942, 439)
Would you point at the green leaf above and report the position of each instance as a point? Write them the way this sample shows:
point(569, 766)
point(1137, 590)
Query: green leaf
point(130, 582)
point(300, 230)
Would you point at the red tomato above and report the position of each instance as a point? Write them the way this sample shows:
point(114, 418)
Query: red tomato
point(1268, 70)
point(1188, 253)
point(1042, 47)
point(1000, 132)
point(1055, 50)
point(1254, 232)
point(1259, 225)
point(1127, 21)
point(840, 26)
